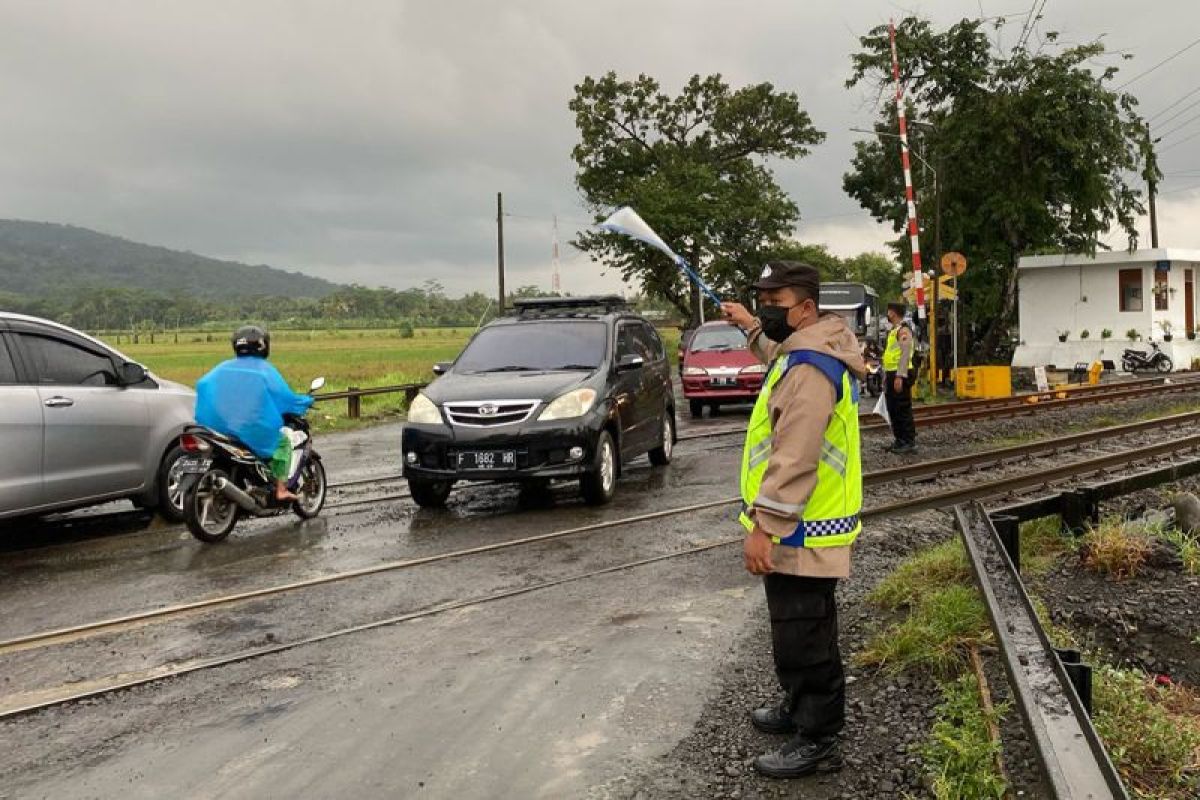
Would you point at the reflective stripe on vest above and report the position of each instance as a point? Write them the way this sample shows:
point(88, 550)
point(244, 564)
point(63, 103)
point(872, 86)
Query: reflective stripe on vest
point(892, 353)
point(830, 517)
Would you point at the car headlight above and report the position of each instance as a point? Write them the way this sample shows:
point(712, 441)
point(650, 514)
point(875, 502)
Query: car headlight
point(755, 369)
point(570, 405)
point(424, 412)
point(695, 371)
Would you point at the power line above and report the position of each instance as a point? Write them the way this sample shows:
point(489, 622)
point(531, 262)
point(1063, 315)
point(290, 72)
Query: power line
point(1179, 127)
point(1177, 102)
point(1181, 141)
point(1166, 60)
point(1181, 111)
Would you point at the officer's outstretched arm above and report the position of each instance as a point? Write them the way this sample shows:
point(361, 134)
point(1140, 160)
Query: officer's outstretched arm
point(763, 348)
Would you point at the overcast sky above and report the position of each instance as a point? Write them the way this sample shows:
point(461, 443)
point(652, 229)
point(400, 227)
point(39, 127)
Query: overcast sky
point(365, 141)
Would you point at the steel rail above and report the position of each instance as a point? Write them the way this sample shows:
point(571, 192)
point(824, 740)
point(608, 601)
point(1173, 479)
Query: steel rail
point(1069, 751)
point(161, 673)
point(933, 500)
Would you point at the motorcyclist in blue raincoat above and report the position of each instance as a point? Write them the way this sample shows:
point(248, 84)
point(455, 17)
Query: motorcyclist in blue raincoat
point(246, 398)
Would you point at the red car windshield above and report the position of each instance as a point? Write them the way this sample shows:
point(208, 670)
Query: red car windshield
point(716, 339)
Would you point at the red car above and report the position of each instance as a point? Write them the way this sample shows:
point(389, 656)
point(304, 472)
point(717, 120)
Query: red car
point(719, 368)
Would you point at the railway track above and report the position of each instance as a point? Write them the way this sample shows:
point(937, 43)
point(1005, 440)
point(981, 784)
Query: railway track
point(1024, 483)
point(926, 416)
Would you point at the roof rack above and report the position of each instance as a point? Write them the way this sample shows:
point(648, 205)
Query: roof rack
point(605, 304)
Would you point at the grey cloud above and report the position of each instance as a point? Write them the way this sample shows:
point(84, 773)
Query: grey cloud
point(365, 141)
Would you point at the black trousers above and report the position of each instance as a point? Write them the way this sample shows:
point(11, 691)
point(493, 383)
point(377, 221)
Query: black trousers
point(804, 635)
point(899, 407)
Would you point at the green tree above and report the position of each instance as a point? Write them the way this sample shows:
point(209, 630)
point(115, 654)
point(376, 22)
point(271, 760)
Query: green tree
point(692, 166)
point(1032, 149)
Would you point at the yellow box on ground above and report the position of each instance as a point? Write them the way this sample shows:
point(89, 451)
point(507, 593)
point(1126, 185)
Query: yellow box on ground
point(981, 382)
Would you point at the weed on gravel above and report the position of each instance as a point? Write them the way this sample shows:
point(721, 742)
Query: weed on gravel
point(1117, 549)
point(1188, 547)
point(1151, 731)
point(960, 753)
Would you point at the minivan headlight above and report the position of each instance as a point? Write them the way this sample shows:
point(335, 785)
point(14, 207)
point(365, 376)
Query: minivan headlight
point(755, 369)
point(423, 411)
point(570, 405)
point(695, 371)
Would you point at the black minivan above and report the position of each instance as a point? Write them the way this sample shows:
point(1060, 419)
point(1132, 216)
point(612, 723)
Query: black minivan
point(564, 388)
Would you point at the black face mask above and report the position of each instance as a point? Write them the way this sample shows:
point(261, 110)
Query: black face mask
point(774, 322)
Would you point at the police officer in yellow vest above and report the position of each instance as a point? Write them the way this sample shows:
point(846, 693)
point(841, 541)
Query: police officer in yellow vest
point(898, 380)
point(801, 486)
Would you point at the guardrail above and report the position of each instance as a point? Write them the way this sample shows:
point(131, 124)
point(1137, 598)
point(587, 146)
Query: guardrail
point(353, 396)
point(1051, 687)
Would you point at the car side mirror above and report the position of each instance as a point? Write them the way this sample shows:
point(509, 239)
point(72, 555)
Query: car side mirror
point(629, 362)
point(132, 373)
point(318, 383)
point(441, 367)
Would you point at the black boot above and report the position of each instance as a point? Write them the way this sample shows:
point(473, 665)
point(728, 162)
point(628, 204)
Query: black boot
point(801, 757)
point(774, 719)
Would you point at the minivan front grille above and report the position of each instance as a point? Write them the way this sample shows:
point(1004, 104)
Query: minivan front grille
point(490, 413)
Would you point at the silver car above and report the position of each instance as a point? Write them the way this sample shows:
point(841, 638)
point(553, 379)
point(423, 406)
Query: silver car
point(81, 424)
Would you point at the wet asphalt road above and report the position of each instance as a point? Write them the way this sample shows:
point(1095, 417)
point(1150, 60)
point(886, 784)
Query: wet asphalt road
point(542, 695)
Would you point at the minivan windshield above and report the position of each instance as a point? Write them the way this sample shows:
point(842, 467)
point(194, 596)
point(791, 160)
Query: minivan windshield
point(536, 347)
point(726, 338)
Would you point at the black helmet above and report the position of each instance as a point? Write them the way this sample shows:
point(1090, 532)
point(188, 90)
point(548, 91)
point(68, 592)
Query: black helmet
point(252, 340)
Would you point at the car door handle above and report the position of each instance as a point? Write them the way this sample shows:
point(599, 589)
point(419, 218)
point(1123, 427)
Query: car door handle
point(59, 402)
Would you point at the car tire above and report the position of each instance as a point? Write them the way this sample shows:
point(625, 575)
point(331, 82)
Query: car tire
point(169, 500)
point(600, 485)
point(661, 455)
point(697, 408)
point(430, 494)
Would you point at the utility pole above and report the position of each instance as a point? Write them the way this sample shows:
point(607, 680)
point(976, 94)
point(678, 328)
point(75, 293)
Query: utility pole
point(555, 281)
point(500, 248)
point(1152, 184)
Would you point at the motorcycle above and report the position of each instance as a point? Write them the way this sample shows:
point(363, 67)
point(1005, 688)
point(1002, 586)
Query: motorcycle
point(223, 480)
point(873, 384)
point(1134, 360)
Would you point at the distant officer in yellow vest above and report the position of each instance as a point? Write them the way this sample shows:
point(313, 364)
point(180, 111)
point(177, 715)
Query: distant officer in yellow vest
point(898, 380)
point(801, 486)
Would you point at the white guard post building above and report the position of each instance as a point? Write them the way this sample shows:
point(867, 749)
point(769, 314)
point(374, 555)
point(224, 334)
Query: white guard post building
point(1066, 302)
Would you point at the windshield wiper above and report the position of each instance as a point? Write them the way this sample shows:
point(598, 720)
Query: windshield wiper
point(510, 368)
point(588, 367)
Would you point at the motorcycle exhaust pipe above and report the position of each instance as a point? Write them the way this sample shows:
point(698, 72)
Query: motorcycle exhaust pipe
point(243, 500)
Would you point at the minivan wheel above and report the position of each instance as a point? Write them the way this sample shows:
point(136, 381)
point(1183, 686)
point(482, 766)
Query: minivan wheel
point(661, 455)
point(170, 486)
point(697, 408)
point(429, 494)
point(600, 485)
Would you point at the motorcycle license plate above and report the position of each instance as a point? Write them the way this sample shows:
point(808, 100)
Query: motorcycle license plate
point(487, 459)
point(723, 383)
point(193, 464)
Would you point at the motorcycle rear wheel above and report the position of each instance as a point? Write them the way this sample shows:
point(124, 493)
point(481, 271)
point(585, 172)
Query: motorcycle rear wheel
point(209, 515)
point(312, 490)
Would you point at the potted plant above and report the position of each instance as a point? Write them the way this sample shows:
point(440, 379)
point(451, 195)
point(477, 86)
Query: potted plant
point(1165, 326)
point(1062, 335)
point(1132, 335)
point(1085, 333)
point(1106, 333)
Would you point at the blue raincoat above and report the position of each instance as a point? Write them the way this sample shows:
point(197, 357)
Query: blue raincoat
point(246, 397)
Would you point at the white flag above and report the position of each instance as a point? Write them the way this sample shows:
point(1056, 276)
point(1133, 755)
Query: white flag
point(880, 409)
point(626, 221)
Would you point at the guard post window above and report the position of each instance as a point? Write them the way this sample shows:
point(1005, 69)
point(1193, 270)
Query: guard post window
point(1130, 283)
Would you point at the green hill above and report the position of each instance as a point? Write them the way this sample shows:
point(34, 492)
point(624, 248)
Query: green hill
point(42, 258)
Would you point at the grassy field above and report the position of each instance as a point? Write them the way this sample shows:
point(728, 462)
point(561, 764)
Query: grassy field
point(360, 358)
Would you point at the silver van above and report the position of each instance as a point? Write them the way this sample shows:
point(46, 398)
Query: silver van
point(81, 424)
